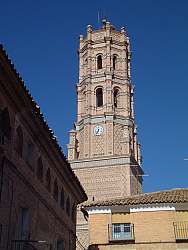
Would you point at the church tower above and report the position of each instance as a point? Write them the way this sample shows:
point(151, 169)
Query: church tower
point(103, 150)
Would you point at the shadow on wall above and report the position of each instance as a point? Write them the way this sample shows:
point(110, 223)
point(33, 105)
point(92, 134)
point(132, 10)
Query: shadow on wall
point(93, 247)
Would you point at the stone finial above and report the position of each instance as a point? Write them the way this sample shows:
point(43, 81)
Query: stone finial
point(107, 25)
point(123, 30)
point(89, 28)
point(81, 38)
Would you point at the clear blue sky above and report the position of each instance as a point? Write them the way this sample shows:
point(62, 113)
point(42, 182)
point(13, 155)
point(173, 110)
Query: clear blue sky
point(41, 37)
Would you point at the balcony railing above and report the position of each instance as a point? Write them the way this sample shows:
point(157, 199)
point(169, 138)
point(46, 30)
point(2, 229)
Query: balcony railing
point(181, 230)
point(30, 245)
point(23, 246)
point(121, 232)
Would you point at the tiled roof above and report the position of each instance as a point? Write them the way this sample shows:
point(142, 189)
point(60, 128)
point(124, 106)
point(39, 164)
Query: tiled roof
point(179, 195)
point(40, 115)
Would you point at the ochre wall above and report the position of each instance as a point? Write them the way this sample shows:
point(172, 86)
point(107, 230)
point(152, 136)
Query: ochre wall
point(153, 226)
point(98, 228)
point(152, 230)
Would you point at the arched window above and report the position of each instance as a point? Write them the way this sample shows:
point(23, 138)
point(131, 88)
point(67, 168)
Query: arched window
point(73, 213)
point(62, 201)
point(116, 97)
point(56, 191)
point(48, 180)
point(19, 141)
point(29, 154)
point(114, 61)
point(5, 128)
point(99, 62)
point(68, 206)
point(99, 97)
point(40, 169)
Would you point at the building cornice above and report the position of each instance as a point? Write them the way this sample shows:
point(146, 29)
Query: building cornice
point(137, 209)
point(94, 119)
point(103, 162)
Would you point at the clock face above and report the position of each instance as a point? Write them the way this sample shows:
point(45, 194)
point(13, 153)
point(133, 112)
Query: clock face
point(98, 130)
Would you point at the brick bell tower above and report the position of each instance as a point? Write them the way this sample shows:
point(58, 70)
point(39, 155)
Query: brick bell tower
point(103, 149)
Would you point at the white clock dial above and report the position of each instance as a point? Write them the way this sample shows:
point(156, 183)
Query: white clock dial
point(98, 130)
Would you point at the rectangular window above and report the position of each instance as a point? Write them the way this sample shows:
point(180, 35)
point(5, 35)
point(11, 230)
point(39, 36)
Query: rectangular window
point(1, 69)
point(60, 245)
point(24, 224)
point(29, 154)
point(122, 231)
point(0, 234)
point(2, 139)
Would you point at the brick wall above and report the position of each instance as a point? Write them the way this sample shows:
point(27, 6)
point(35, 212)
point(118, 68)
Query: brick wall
point(21, 184)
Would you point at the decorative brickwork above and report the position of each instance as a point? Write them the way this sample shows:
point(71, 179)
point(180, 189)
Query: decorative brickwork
point(118, 136)
point(106, 161)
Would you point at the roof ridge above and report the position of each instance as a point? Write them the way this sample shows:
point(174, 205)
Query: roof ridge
point(131, 198)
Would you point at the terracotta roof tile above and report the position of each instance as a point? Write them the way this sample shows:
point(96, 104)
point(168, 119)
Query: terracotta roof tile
point(178, 195)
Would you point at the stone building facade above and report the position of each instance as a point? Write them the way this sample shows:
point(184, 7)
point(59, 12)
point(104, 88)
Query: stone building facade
point(149, 221)
point(39, 192)
point(103, 150)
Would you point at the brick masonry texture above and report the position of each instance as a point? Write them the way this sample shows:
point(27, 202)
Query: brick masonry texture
point(105, 101)
point(34, 173)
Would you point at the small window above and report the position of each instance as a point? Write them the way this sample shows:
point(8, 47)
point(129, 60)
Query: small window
point(116, 98)
point(24, 224)
point(73, 212)
point(99, 97)
point(68, 206)
point(55, 191)
point(1, 69)
point(122, 231)
point(40, 169)
point(5, 128)
point(60, 245)
point(19, 141)
point(29, 153)
point(1, 227)
point(99, 62)
point(114, 62)
point(62, 201)
point(48, 180)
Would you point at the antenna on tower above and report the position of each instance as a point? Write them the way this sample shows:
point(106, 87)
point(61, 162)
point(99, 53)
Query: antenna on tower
point(98, 18)
point(101, 18)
